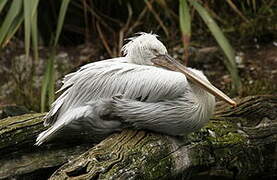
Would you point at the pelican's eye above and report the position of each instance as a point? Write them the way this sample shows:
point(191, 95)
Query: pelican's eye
point(155, 51)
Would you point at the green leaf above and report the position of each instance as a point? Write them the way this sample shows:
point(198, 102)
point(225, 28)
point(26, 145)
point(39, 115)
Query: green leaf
point(10, 17)
point(62, 13)
point(27, 25)
point(222, 41)
point(34, 31)
point(47, 79)
point(51, 84)
point(44, 87)
point(48, 85)
point(13, 28)
point(30, 9)
point(2, 4)
point(184, 17)
point(34, 7)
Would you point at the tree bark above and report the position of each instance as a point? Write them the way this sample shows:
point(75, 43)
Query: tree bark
point(18, 155)
point(237, 143)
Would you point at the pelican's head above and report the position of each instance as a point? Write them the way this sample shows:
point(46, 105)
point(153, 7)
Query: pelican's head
point(142, 48)
point(146, 49)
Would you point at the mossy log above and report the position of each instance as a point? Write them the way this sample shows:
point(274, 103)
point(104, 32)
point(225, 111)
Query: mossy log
point(237, 143)
point(18, 155)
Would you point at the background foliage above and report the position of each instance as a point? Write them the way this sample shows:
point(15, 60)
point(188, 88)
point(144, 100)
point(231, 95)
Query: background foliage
point(66, 23)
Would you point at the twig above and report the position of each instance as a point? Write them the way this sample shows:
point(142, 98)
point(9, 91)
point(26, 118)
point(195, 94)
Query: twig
point(104, 41)
point(137, 22)
point(124, 28)
point(114, 20)
point(234, 7)
point(86, 21)
point(157, 17)
point(92, 11)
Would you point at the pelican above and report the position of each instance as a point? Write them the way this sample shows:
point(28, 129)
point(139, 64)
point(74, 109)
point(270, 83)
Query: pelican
point(134, 91)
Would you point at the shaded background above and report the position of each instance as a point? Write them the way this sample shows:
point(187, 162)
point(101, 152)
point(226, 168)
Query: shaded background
point(95, 29)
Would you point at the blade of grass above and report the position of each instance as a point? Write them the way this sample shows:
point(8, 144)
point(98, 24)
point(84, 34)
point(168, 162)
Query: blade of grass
point(32, 34)
point(185, 19)
point(2, 4)
point(34, 31)
point(30, 7)
point(44, 87)
point(51, 88)
point(13, 28)
point(14, 10)
point(185, 25)
point(254, 5)
point(49, 77)
point(215, 30)
point(62, 13)
point(48, 83)
point(51, 83)
point(34, 7)
point(27, 4)
point(223, 43)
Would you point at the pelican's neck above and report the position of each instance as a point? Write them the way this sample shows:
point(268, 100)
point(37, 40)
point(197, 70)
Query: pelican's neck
point(135, 59)
point(205, 100)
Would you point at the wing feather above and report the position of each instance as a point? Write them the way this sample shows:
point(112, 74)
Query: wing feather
point(106, 79)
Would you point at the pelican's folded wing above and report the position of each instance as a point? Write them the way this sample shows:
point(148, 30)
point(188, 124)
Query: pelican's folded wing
point(107, 79)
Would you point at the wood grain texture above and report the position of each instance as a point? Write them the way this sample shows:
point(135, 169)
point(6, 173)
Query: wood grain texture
point(236, 143)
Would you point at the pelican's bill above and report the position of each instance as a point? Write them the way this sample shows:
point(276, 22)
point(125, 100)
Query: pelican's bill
point(168, 62)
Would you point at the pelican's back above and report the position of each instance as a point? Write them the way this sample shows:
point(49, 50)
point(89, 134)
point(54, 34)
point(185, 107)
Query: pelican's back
point(89, 93)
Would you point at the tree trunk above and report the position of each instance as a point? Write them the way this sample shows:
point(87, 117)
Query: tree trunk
point(237, 143)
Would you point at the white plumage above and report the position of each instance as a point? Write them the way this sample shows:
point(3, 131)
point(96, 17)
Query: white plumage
point(129, 92)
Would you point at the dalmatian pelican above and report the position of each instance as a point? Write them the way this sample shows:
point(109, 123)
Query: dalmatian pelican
point(134, 91)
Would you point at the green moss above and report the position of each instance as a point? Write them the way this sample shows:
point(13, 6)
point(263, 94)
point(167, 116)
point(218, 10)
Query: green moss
point(11, 128)
point(222, 133)
point(158, 165)
point(218, 141)
point(147, 159)
point(259, 86)
point(153, 158)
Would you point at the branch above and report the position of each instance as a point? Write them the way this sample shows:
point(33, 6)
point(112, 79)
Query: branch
point(238, 142)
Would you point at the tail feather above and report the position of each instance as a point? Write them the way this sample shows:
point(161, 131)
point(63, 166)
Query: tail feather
point(46, 135)
point(72, 115)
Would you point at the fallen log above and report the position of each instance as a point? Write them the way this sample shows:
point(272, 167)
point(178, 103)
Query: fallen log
point(237, 143)
point(18, 155)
